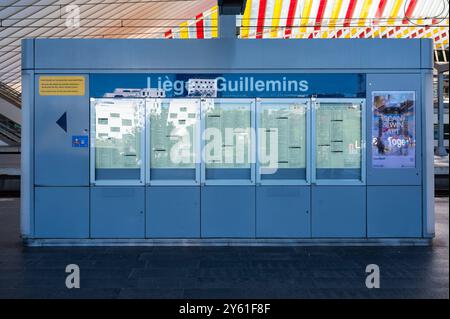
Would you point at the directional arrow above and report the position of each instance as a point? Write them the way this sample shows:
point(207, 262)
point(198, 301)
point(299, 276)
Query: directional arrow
point(62, 122)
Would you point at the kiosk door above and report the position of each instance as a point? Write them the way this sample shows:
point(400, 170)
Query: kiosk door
point(338, 175)
point(228, 168)
point(117, 168)
point(173, 168)
point(283, 170)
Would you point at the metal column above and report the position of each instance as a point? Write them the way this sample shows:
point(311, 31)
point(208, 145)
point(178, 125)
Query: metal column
point(441, 151)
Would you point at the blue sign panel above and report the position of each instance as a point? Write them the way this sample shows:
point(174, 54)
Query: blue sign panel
point(79, 141)
point(264, 85)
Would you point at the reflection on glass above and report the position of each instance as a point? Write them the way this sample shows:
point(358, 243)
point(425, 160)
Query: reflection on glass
point(338, 140)
point(118, 133)
point(287, 123)
point(173, 126)
point(227, 135)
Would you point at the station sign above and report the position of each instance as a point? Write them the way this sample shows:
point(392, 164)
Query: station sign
point(242, 85)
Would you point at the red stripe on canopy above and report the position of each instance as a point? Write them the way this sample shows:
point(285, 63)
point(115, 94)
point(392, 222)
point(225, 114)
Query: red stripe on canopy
point(320, 12)
point(290, 18)
point(380, 10)
point(409, 11)
point(349, 14)
point(261, 16)
point(168, 34)
point(199, 26)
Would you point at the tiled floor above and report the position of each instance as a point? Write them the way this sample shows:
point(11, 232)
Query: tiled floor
point(222, 272)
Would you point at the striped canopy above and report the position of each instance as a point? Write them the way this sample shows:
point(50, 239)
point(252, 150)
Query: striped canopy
point(329, 19)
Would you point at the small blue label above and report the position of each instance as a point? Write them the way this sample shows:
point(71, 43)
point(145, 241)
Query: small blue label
point(79, 141)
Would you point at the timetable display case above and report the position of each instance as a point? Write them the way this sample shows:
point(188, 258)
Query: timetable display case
point(283, 127)
point(228, 141)
point(173, 128)
point(117, 141)
point(338, 141)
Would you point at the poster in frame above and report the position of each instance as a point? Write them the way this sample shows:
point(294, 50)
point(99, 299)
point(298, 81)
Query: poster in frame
point(393, 129)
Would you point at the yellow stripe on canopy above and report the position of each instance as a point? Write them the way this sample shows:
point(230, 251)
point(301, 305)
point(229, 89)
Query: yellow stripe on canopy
point(214, 22)
point(184, 34)
point(335, 14)
point(305, 16)
point(245, 30)
point(276, 18)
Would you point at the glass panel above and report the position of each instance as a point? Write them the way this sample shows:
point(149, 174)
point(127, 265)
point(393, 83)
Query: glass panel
point(118, 133)
point(173, 138)
point(338, 140)
point(227, 139)
point(282, 142)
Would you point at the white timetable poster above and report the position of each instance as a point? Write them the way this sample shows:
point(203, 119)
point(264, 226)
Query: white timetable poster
point(230, 125)
point(173, 126)
point(338, 135)
point(118, 133)
point(288, 122)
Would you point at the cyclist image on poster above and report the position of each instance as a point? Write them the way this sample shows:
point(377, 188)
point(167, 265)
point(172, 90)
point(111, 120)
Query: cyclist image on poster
point(393, 129)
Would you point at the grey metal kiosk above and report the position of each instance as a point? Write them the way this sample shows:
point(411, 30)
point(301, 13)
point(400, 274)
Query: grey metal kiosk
point(167, 142)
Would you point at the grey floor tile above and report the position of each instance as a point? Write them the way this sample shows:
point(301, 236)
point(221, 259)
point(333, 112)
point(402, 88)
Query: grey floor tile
point(215, 293)
point(222, 272)
point(133, 293)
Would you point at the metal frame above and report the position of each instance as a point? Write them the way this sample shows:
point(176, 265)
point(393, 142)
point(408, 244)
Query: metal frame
point(306, 181)
point(427, 153)
point(37, 242)
point(341, 182)
point(27, 153)
point(252, 180)
point(114, 182)
point(174, 182)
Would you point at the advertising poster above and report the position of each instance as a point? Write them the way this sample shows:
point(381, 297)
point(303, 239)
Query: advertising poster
point(393, 129)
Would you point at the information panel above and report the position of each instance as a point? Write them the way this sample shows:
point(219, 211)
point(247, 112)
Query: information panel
point(57, 85)
point(282, 139)
point(393, 129)
point(338, 140)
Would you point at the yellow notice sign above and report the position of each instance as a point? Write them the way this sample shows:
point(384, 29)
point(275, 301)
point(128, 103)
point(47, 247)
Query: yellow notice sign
point(61, 85)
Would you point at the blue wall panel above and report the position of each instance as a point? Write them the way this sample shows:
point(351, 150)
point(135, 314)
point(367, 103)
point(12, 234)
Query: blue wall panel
point(57, 161)
point(173, 212)
point(61, 212)
point(283, 211)
point(228, 211)
point(259, 54)
point(339, 211)
point(395, 82)
point(117, 212)
point(394, 211)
